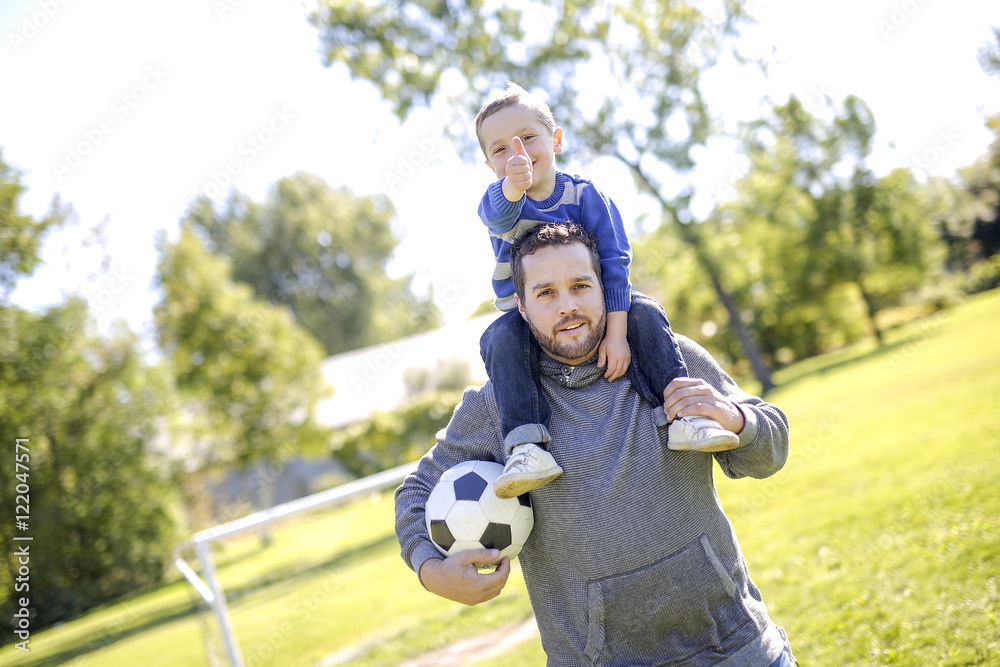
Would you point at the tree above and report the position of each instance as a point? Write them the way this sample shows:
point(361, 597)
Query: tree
point(20, 235)
point(102, 513)
point(84, 413)
point(967, 212)
point(664, 269)
point(982, 178)
point(249, 374)
point(822, 221)
point(892, 247)
point(989, 55)
point(623, 77)
point(323, 253)
point(958, 213)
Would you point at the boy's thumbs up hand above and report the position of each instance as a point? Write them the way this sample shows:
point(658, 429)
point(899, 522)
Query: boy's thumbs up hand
point(519, 148)
point(518, 173)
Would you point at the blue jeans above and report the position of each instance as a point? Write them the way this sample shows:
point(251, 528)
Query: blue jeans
point(511, 355)
point(784, 660)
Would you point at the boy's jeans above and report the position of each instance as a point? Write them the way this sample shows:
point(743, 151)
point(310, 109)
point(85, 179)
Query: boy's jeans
point(511, 354)
point(784, 660)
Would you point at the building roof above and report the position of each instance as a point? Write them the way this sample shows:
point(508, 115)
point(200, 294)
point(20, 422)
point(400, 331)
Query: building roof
point(371, 378)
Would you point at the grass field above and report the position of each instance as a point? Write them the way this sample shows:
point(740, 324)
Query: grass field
point(878, 544)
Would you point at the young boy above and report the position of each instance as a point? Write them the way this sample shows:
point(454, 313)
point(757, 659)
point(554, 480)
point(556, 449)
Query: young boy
point(520, 139)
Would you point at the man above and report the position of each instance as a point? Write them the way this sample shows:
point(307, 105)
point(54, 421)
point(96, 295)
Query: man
point(631, 560)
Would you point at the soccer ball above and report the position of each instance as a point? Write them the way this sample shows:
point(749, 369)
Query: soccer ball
point(463, 512)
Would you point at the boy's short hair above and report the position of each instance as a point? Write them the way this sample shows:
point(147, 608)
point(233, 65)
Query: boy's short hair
point(513, 95)
point(543, 236)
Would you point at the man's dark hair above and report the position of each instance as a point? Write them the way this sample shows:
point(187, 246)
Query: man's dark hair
point(549, 234)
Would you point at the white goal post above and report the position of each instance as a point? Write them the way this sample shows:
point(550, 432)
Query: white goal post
point(210, 589)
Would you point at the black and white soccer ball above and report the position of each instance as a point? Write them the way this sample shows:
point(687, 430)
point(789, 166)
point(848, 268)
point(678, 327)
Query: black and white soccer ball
point(463, 512)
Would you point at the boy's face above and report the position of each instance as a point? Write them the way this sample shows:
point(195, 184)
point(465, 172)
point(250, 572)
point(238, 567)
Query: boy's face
point(496, 134)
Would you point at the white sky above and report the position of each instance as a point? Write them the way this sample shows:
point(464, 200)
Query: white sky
point(167, 99)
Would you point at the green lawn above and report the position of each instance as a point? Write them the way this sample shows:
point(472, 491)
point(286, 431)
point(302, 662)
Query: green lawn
point(879, 543)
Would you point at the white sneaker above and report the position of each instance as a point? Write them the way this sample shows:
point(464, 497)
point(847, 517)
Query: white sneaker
point(700, 434)
point(529, 467)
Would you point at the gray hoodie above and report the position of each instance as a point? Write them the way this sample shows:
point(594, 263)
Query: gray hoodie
point(632, 560)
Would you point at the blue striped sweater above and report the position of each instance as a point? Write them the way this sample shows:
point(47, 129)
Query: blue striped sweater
point(573, 200)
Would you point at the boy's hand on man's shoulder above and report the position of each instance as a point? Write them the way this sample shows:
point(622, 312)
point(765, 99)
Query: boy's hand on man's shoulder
point(518, 172)
point(615, 352)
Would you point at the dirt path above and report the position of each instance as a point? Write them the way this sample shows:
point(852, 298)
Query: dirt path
point(487, 645)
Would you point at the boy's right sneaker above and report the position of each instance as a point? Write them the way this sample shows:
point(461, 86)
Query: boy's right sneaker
point(529, 467)
point(700, 434)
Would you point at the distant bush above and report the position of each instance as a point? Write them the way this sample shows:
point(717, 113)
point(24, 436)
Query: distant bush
point(387, 439)
point(984, 275)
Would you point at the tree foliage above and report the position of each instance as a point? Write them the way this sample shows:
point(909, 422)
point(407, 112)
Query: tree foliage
point(101, 509)
point(250, 375)
point(88, 411)
point(958, 213)
point(847, 226)
point(405, 47)
point(651, 50)
point(323, 253)
point(981, 180)
point(20, 235)
point(624, 78)
point(989, 55)
point(815, 243)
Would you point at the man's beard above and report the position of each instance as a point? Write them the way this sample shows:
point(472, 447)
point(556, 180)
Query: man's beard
point(578, 351)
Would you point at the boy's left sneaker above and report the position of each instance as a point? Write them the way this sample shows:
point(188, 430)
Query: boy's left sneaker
point(700, 434)
point(529, 467)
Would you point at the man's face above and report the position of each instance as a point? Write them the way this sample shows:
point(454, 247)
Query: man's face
point(497, 133)
point(564, 302)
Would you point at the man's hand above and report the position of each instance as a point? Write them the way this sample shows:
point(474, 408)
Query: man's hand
point(690, 397)
point(518, 179)
point(456, 577)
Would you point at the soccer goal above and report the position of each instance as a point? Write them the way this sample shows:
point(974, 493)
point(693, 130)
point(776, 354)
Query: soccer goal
point(207, 585)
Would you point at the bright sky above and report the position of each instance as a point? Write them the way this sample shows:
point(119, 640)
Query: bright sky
point(127, 110)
